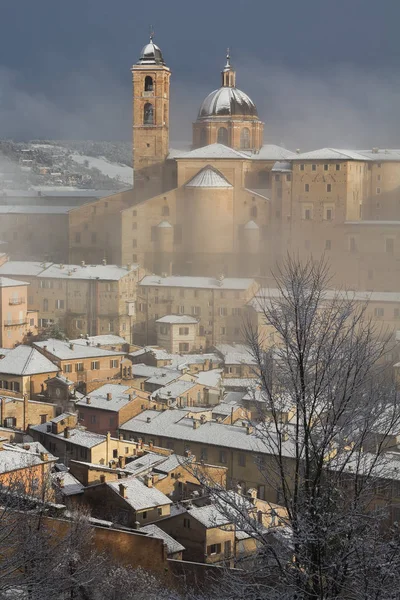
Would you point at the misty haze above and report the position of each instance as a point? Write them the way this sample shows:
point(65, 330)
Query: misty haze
point(199, 301)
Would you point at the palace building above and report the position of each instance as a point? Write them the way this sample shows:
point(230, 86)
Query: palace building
point(233, 205)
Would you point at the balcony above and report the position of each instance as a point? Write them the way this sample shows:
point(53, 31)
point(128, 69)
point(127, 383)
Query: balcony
point(15, 301)
point(16, 322)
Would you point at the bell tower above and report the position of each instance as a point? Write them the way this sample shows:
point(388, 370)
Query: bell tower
point(150, 117)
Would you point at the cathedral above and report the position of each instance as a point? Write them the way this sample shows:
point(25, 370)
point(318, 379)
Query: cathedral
point(233, 205)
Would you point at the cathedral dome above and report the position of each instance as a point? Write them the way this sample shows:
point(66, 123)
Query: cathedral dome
point(151, 54)
point(227, 102)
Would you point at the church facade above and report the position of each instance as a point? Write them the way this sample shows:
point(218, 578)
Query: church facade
point(233, 205)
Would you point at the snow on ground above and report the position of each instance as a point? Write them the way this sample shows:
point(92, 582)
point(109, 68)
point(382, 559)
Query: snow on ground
point(113, 170)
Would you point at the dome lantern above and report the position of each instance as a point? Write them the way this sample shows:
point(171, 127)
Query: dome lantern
point(151, 54)
point(228, 73)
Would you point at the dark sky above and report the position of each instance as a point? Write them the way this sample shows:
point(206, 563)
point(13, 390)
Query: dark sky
point(64, 67)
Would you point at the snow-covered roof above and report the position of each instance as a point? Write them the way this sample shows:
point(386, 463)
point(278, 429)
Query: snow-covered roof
point(62, 350)
point(172, 545)
point(24, 360)
point(235, 354)
point(381, 155)
point(282, 167)
point(272, 152)
point(175, 424)
point(208, 178)
point(144, 463)
point(60, 271)
point(251, 225)
point(102, 340)
point(213, 151)
point(159, 374)
point(360, 296)
point(173, 390)
point(164, 225)
point(68, 484)
point(138, 495)
point(211, 378)
point(209, 516)
point(227, 283)
point(121, 395)
point(60, 379)
point(178, 320)
point(32, 209)
point(379, 223)
point(80, 437)
point(330, 154)
point(6, 282)
point(12, 459)
point(172, 462)
point(238, 382)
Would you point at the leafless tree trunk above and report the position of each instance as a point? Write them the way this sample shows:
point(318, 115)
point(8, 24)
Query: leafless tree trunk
point(326, 464)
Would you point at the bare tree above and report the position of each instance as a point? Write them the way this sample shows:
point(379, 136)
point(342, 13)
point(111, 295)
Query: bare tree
point(331, 465)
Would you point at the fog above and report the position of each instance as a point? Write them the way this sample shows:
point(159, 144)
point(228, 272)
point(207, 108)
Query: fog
point(345, 107)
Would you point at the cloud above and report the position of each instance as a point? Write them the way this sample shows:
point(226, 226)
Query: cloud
point(344, 106)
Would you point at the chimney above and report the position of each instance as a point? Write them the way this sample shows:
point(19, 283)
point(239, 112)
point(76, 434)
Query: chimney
point(71, 346)
point(249, 429)
point(104, 261)
point(148, 481)
point(88, 400)
point(45, 348)
point(102, 478)
point(136, 525)
point(196, 424)
point(44, 456)
point(67, 433)
point(130, 397)
point(122, 490)
point(148, 420)
point(109, 396)
point(252, 494)
point(155, 477)
point(82, 263)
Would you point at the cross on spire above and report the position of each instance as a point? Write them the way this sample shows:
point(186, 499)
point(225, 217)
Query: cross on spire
point(228, 58)
point(151, 32)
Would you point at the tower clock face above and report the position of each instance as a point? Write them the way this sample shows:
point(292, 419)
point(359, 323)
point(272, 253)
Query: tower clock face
point(58, 392)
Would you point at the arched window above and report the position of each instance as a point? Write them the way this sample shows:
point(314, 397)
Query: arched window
point(222, 137)
point(148, 116)
point(203, 137)
point(245, 138)
point(148, 84)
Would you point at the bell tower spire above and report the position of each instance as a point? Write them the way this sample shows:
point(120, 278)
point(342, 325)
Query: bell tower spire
point(228, 73)
point(150, 117)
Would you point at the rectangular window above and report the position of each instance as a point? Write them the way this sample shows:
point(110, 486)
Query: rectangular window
point(203, 454)
point(236, 312)
point(78, 367)
point(307, 214)
point(222, 330)
point(144, 514)
point(241, 460)
point(379, 312)
point(186, 523)
point(95, 365)
point(214, 549)
point(288, 177)
point(276, 177)
point(45, 304)
point(183, 347)
point(181, 310)
point(306, 187)
point(301, 167)
point(328, 214)
point(313, 167)
point(378, 190)
point(389, 245)
point(60, 304)
point(223, 311)
point(183, 330)
point(326, 167)
point(114, 363)
point(93, 419)
point(78, 324)
point(223, 457)
point(337, 167)
point(195, 310)
point(159, 512)
point(328, 187)
point(67, 368)
point(352, 244)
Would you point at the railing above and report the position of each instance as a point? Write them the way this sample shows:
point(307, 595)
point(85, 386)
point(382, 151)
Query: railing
point(16, 322)
point(14, 301)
